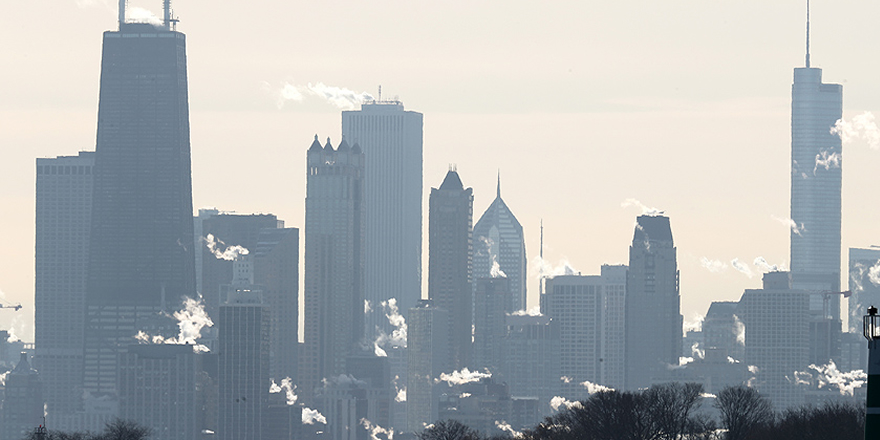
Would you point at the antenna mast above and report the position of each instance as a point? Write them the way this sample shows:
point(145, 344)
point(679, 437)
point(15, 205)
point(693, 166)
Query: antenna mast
point(808, 33)
point(541, 256)
point(122, 6)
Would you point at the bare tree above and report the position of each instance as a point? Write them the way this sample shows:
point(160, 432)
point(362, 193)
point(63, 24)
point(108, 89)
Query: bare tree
point(671, 407)
point(743, 410)
point(449, 430)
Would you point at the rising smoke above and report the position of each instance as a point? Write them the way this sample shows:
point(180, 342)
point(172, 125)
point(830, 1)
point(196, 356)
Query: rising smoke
point(862, 126)
point(191, 319)
point(646, 210)
point(340, 97)
point(462, 377)
point(229, 253)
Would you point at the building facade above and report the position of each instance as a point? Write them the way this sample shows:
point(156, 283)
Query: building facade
point(499, 243)
point(141, 258)
point(63, 223)
point(427, 357)
point(491, 306)
point(334, 261)
point(653, 304)
point(391, 138)
point(450, 253)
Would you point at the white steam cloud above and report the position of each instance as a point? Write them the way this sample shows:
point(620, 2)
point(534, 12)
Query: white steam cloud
point(310, 416)
point(544, 268)
point(401, 395)
point(646, 210)
point(462, 377)
point(534, 311)
point(496, 271)
point(229, 253)
point(829, 376)
point(791, 224)
point(398, 335)
point(764, 266)
point(827, 161)
point(741, 267)
point(340, 97)
point(191, 319)
point(287, 386)
point(862, 126)
point(135, 14)
point(375, 430)
point(343, 380)
point(558, 402)
point(714, 266)
point(505, 427)
point(594, 388)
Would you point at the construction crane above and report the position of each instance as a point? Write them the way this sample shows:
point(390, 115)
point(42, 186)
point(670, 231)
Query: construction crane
point(16, 307)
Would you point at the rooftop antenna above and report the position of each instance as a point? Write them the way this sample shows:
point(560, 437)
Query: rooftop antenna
point(498, 188)
point(808, 33)
point(122, 7)
point(541, 256)
point(380, 92)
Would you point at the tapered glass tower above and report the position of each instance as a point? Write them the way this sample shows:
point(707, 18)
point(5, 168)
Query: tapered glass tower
point(141, 248)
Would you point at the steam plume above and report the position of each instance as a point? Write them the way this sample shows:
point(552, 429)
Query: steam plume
point(191, 319)
point(829, 376)
point(398, 335)
point(286, 386)
point(375, 430)
point(496, 271)
point(462, 377)
point(827, 161)
point(544, 268)
point(505, 427)
point(229, 253)
point(646, 210)
point(764, 266)
point(862, 126)
point(557, 402)
point(401, 395)
point(791, 224)
point(341, 97)
point(140, 15)
point(594, 388)
point(738, 265)
point(534, 311)
point(714, 266)
point(310, 416)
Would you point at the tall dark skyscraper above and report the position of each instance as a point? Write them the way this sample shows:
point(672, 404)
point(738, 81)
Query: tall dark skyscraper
point(63, 216)
point(450, 250)
point(334, 262)
point(141, 249)
point(391, 138)
point(653, 305)
point(499, 242)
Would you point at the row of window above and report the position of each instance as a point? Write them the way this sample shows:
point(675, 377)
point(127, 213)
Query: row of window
point(65, 169)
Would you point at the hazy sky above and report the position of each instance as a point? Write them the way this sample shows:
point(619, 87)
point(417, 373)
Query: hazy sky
point(683, 105)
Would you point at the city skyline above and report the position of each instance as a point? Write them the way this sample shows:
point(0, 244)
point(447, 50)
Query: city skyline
point(728, 198)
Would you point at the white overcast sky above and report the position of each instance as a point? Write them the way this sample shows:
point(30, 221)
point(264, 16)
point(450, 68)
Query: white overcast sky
point(681, 104)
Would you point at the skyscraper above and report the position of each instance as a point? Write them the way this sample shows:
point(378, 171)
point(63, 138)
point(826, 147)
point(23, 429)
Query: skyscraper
point(427, 347)
point(392, 142)
point(491, 307)
point(499, 243)
point(653, 318)
point(450, 250)
point(815, 180)
point(815, 202)
point(334, 261)
point(23, 402)
point(63, 219)
point(140, 251)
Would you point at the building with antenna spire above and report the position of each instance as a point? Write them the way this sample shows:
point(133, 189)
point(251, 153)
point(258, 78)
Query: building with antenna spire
point(499, 242)
point(816, 199)
point(141, 256)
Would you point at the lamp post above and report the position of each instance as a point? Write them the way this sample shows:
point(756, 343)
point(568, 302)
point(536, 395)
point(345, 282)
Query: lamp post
point(871, 324)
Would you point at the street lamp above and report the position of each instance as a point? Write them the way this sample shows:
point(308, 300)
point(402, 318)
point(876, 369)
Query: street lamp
point(871, 330)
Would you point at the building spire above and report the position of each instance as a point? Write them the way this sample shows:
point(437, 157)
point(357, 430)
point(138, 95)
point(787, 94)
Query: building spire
point(498, 188)
point(122, 6)
point(808, 34)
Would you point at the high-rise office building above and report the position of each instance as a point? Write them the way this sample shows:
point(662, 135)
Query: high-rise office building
point(777, 338)
point(23, 402)
point(865, 292)
point(532, 363)
point(491, 307)
point(158, 388)
point(816, 203)
point(588, 310)
point(391, 138)
point(450, 250)
point(427, 345)
point(140, 247)
point(276, 269)
point(63, 219)
point(499, 242)
point(243, 377)
point(334, 261)
point(653, 317)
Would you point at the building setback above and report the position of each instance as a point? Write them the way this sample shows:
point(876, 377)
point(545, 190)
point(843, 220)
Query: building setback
point(141, 257)
point(391, 138)
point(450, 251)
point(334, 261)
point(653, 316)
point(63, 221)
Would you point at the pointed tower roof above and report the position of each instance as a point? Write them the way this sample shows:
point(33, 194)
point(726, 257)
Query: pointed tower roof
point(316, 146)
point(328, 147)
point(356, 149)
point(24, 367)
point(452, 182)
point(343, 146)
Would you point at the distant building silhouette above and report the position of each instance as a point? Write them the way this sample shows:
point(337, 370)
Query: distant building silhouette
point(777, 337)
point(158, 388)
point(653, 316)
point(22, 403)
point(243, 356)
point(532, 362)
point(450, 253)
point(865, 292)
point(141, 257)
point(491, 306)
point(391, 138)
point(63, 223)
point(723, 330)
point(427, 352)
point(499, 242)
point(589, 313)
point(334, 261)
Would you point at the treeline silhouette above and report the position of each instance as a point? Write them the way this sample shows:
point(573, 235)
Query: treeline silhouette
point(673, 412)
point(117, 429)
